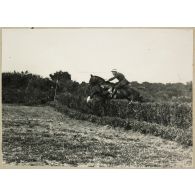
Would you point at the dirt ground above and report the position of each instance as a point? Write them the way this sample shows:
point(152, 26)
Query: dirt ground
point(36, 136)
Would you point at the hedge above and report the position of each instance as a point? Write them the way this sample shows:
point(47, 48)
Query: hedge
point(163, 113)
point(183, 136)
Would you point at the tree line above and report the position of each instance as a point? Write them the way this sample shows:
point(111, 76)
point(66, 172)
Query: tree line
point(31, 89)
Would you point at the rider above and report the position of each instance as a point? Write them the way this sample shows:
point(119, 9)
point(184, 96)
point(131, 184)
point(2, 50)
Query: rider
point(122, 81)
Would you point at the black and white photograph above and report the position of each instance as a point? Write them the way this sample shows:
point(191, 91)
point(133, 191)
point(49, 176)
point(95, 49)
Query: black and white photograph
point(97, 97)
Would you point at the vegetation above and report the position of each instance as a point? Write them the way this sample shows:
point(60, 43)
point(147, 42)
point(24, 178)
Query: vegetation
point(163, 113)
point(183, 136)
point(24, 87)
point(168, 112)
point(30, 89)
point(40, 136)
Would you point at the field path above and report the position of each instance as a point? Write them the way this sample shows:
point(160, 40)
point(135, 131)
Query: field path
point(42, 136)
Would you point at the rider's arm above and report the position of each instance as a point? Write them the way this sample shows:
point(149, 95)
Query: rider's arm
point(111, 78)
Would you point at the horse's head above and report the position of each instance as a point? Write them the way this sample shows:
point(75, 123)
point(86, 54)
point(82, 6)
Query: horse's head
point(96, 89)
point(96, 80)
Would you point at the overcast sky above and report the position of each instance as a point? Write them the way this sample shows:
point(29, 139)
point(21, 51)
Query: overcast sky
point(153, 55)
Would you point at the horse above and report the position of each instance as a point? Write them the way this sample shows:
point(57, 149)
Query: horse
point(99, 89)
point(102, 90)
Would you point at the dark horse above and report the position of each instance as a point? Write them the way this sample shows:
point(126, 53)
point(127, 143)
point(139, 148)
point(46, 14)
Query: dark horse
point(102, 90)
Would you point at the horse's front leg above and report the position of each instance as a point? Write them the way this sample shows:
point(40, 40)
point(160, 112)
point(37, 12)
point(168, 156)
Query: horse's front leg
point(110, 92)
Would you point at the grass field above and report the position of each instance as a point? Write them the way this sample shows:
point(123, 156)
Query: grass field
point(39, 136)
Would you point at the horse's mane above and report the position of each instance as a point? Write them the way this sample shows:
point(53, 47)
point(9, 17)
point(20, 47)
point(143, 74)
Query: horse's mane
point(99, 78)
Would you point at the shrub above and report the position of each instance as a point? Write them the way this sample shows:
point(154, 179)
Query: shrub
point(38, 91)
point(26, 88)
point(167, 114)
point(171, 133)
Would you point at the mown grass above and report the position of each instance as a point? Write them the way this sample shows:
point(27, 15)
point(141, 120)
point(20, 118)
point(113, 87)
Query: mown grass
point(42, 136)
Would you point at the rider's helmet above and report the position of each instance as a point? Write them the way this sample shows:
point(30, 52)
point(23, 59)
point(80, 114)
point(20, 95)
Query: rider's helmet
point(114, 70)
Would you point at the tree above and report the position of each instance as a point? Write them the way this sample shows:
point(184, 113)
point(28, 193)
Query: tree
point(60, 76)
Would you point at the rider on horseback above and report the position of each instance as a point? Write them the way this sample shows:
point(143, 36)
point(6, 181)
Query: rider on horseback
point(122, 81)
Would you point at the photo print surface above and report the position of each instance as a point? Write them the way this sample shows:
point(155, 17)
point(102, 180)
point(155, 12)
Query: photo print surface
point(97, 97)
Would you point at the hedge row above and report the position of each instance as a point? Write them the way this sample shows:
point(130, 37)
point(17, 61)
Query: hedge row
point(167, 114)
point(183, 136)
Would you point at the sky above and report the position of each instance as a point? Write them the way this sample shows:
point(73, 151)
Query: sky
point(152, 55)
